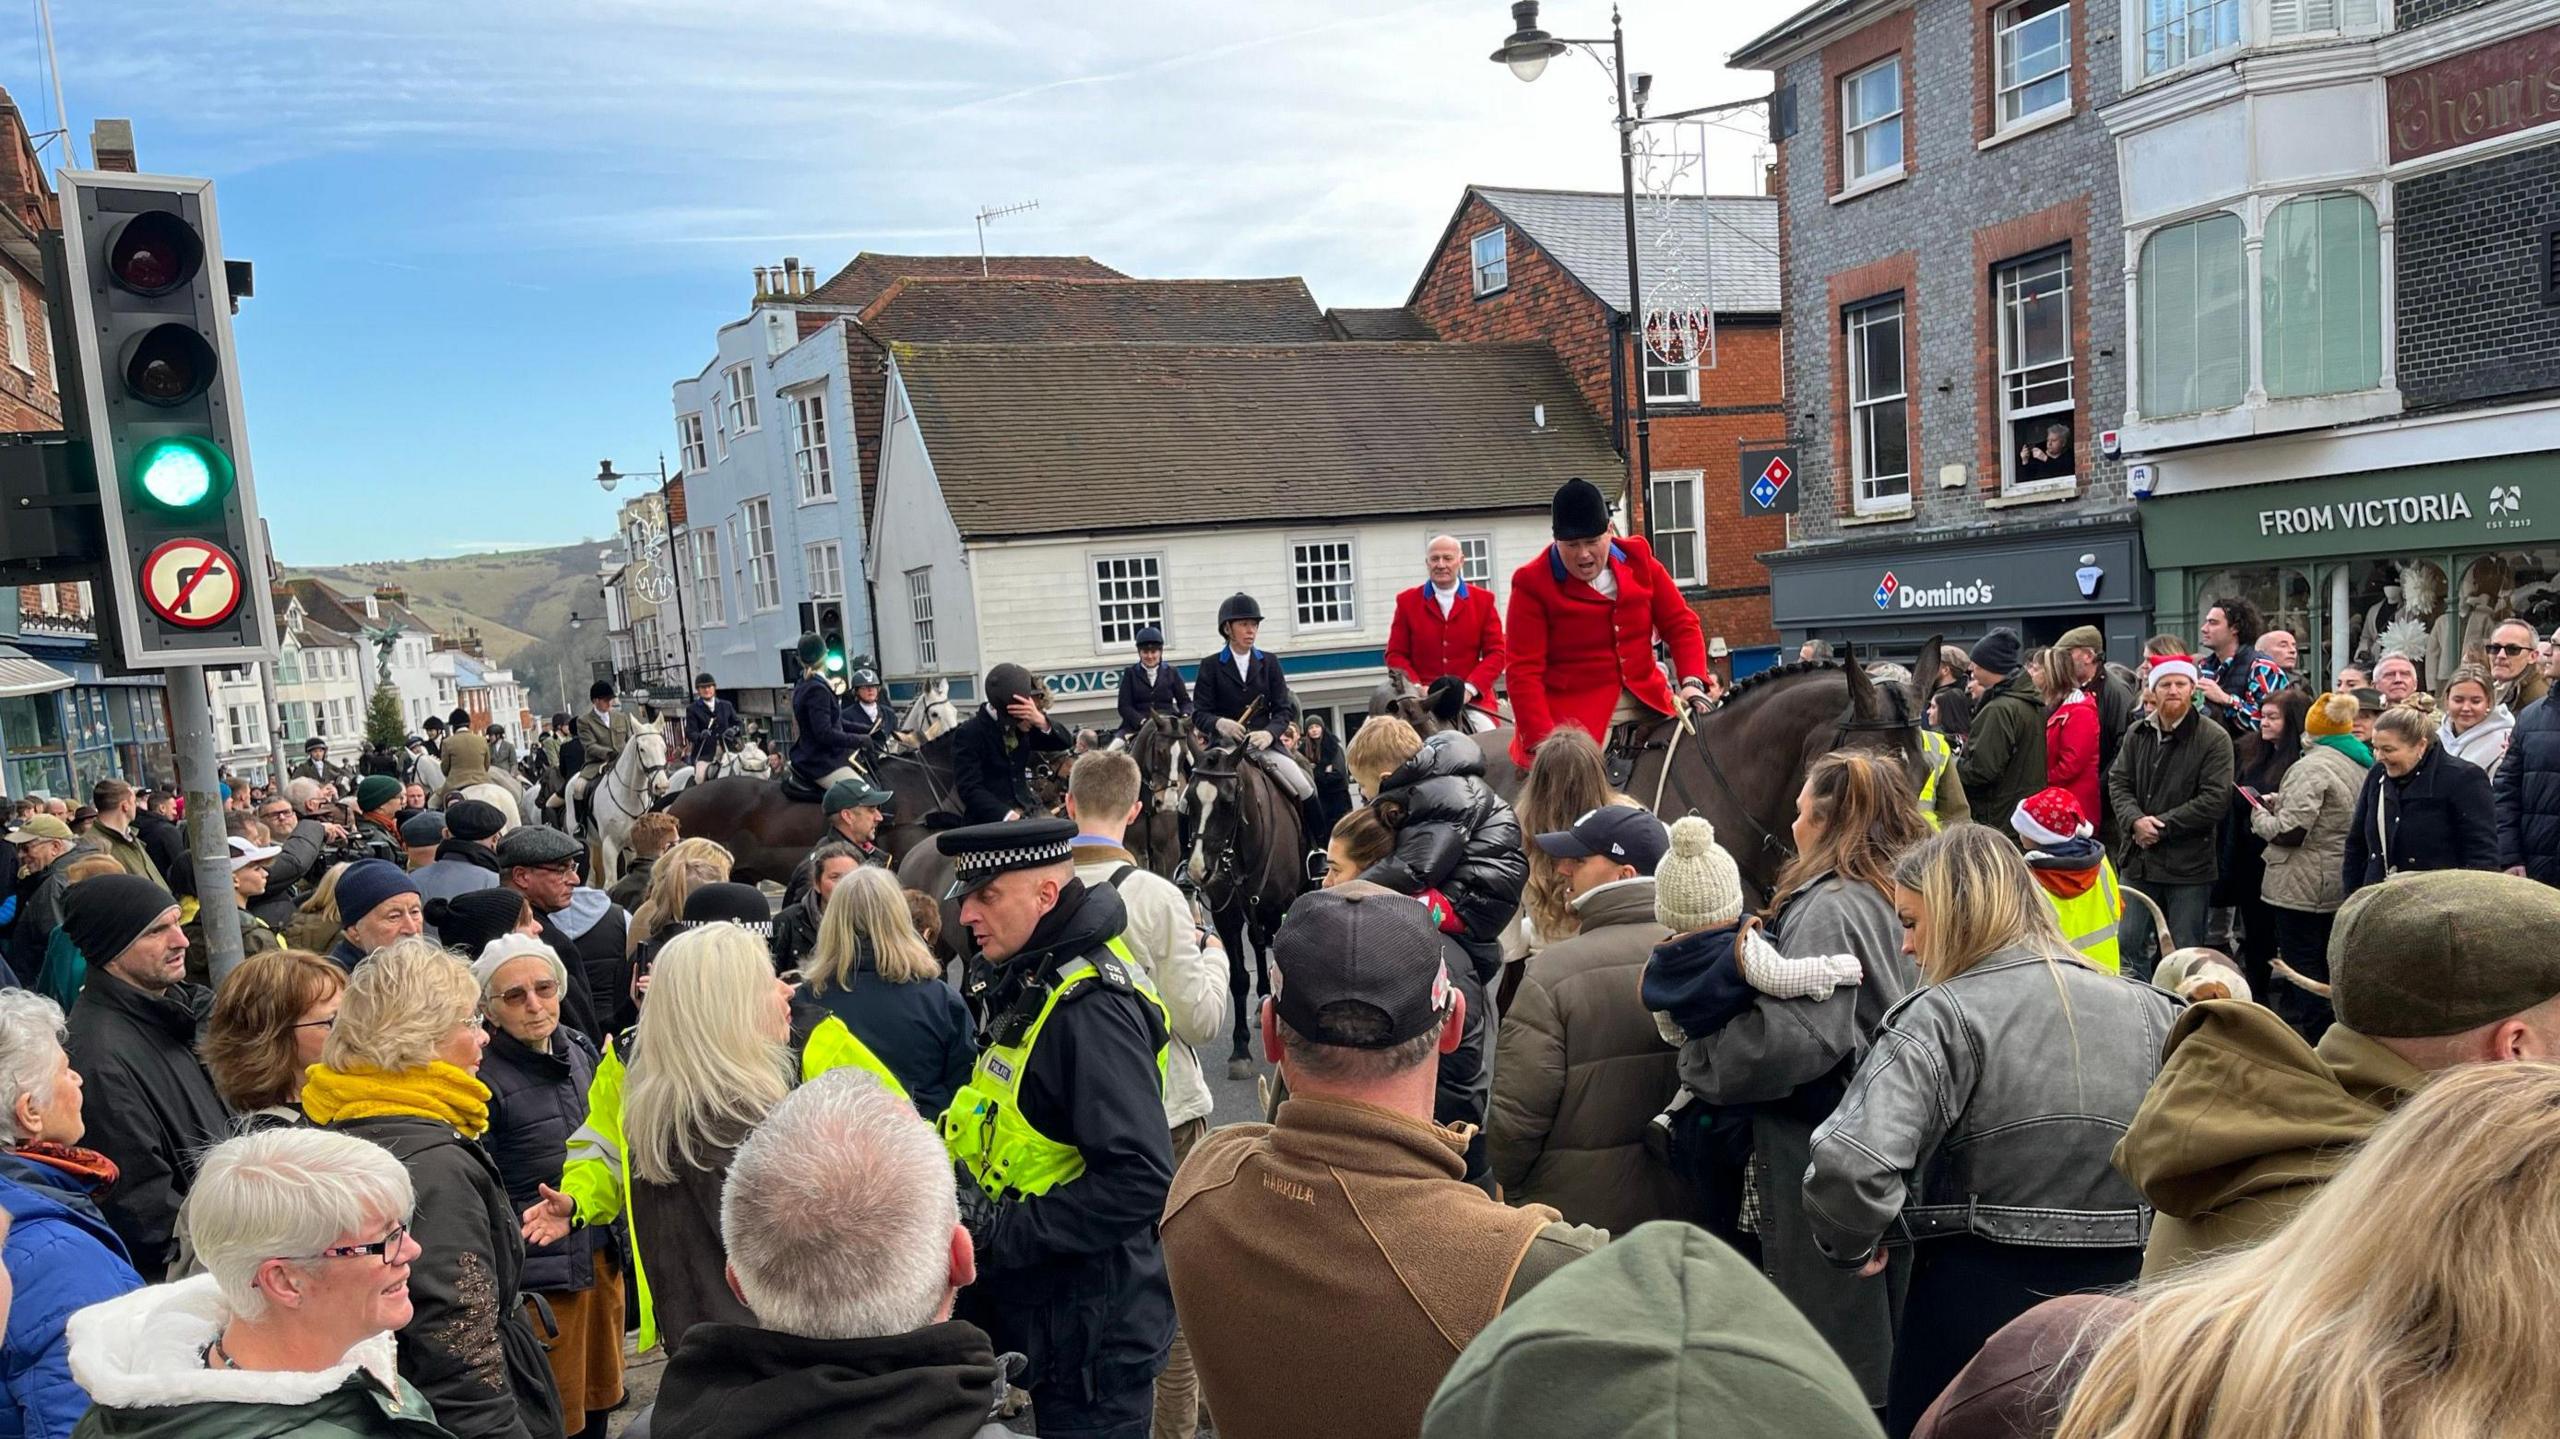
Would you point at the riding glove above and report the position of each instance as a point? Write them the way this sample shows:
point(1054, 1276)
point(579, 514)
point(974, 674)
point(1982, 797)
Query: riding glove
point(1259, 739)
point(1229, 730)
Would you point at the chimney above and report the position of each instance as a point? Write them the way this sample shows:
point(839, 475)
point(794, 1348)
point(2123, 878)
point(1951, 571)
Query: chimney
point(762, 287)
point(394, 593)
point(790, 276)
point(111, 146)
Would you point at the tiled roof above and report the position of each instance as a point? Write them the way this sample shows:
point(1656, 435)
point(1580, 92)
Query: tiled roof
point(327, 608)
point(860, 282)
point(1043, 439)
point(1586, 231)
point(1253, 312)
point(1395, 324)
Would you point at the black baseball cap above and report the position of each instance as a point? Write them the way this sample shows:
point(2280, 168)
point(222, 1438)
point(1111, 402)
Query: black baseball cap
point(1629, 835)
point(1359, 944)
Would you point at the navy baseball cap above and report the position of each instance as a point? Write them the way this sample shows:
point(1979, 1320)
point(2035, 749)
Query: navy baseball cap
point(1629, 835)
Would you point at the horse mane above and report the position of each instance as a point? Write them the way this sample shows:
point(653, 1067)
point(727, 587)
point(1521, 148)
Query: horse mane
point(1769, 678)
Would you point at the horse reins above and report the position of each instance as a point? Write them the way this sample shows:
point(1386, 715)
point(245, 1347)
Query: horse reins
point(1769, 839)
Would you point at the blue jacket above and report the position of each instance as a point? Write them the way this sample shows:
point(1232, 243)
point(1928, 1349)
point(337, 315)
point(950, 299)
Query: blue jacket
point(63, 1258)
point(1218, 692)
point(1141, 697)
point(2528, 794)
point(821, 743)
point(920, 1029)
point(2439, 817)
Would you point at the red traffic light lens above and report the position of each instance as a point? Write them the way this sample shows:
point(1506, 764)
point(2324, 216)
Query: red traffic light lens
point(154, 253)
point(168, 366)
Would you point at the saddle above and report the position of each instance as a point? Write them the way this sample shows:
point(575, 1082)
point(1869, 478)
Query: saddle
point(799, 790)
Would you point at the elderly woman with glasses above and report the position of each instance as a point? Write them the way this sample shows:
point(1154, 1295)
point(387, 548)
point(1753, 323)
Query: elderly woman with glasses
point(401, 1068)
point(58, 1246)
point(538, 1071)
point(308, 1257)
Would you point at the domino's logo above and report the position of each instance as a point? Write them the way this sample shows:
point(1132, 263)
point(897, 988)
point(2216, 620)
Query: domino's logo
point(1886, 589)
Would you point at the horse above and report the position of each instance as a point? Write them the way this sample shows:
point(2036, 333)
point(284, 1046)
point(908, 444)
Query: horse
point(768, 833)
point(1249, 861)
point(1398, 695)
point(622, 794)
point(743, 756)
point(1161, 745)
point(498, 795)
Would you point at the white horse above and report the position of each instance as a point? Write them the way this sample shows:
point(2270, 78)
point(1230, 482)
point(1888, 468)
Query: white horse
point(929, 716)
point(748, 759)
point(622, 794)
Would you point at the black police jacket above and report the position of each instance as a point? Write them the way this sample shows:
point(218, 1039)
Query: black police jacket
point(1141, 697)
point(991, 763)
point(1220, 693)
point(1075, 1278)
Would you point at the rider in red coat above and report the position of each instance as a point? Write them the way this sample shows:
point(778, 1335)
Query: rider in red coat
point(1448, 628)
point(1584, 615)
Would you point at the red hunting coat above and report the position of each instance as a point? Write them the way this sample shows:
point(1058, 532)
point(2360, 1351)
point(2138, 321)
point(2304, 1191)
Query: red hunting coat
point(1423, 645)
point(1573, 649)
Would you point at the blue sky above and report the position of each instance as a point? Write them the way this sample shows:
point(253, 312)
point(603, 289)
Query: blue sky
point(490, 237)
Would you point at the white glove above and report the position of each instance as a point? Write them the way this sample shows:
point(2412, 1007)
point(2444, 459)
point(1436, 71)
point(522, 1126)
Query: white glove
point(1229, 730)
point(1259, 739)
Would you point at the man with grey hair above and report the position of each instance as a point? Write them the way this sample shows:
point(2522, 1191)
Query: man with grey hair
point(304, 1235)
point(844, 1240)
point(1354, 1203)
point(1446, 636)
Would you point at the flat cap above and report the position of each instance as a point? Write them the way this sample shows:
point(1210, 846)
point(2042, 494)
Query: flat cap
point(2443, 952)
point(536, 844)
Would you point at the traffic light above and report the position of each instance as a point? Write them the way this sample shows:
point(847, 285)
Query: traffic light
point(158, 393)
point(831, 629)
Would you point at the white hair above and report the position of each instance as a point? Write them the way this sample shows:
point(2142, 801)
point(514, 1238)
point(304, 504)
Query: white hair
point(30, 1048)
point(287, 1194)
point(300, 791)
point(495, 954)
point(838, 1213)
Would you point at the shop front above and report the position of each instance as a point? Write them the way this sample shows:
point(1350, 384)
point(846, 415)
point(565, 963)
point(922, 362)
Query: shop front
point(2422, 561)
point(63, 738)
point(1887, 597)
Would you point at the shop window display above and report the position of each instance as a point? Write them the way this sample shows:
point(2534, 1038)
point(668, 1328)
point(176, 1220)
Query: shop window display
point(2399, 608)
point(2281, 593)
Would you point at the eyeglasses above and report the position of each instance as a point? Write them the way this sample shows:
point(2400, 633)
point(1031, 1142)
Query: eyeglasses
point(388, 1247)
point(539, 989)
point(330, 1023)
point(2506, 649)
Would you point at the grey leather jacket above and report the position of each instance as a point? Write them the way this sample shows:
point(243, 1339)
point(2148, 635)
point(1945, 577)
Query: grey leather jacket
point(1991, 1104)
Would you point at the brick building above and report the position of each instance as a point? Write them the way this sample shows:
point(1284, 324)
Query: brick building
point(1550, 267)
point(1954, 321)
point(2341, 248)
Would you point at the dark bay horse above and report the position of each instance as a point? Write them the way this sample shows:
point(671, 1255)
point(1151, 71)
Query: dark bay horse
point(768, 833)
point(1162, 748)
point(1249, 861)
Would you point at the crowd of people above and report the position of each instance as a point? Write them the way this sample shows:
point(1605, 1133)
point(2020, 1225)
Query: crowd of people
point(2087, 1051)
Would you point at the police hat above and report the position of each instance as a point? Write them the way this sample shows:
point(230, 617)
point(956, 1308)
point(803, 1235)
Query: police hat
point(980, 852)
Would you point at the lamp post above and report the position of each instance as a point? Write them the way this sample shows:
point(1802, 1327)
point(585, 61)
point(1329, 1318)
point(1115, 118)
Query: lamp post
point(607, 479)
point(1526, 53)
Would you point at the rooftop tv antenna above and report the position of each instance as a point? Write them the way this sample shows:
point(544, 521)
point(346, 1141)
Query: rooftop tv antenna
point(996, 212)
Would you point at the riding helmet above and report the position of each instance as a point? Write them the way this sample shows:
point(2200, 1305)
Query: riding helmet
point(813, 650)
point(704, 679)
point(862, 677)
point(600, 690)
point(1239, 606)
point(1150, 635)
point(1009, 682)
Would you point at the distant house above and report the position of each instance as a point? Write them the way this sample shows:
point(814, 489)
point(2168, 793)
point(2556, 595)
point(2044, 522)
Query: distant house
point(1039, 503)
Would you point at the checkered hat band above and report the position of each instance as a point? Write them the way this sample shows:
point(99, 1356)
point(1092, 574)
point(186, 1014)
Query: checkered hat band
point(997, 860)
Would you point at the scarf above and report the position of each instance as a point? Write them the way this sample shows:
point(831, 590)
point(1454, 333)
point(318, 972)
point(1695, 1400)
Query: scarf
point(439, 1091)
point(88, 1165)
point(2348, 745)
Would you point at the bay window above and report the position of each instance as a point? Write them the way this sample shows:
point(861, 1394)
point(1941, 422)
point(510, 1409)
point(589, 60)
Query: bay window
point(2321, 287)
point(2193, 325)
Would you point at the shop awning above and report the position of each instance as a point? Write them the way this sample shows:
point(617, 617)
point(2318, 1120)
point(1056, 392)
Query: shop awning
point(23, 674)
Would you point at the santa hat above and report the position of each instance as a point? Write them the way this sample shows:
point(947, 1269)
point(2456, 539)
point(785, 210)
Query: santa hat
point(2167, 665)
point(2050, 817)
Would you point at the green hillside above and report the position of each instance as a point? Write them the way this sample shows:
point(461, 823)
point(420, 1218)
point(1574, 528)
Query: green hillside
point(520, 602)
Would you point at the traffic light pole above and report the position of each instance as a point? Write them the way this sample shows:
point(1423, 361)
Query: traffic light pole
point(208, 843)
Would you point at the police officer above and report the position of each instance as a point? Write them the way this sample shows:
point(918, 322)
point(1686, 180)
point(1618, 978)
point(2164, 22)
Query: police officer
point(1059, 1136)
point(707, 722)
point(822, 749)
point(863, 715)
point(992, 750)
point(1150, 687)
point(1233, 680)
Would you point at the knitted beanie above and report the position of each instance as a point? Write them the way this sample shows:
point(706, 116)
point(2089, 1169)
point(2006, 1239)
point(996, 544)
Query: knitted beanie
point(367, 885)
point(105, 915)
point(2332, 713)
point(375, 791)
point(470, 920)
point(1696, 885)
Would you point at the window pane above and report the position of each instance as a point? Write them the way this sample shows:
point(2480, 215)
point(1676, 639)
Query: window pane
point(2194, 331)
point(1891, 445)
point(2322, 297)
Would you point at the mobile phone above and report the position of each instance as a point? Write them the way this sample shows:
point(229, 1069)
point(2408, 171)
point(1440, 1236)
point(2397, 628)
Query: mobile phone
point(2253, 797)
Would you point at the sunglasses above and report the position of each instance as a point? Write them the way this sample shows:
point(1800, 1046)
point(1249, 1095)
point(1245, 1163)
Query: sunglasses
point(539, 989)
point(387, 1246)
point(2507, 649)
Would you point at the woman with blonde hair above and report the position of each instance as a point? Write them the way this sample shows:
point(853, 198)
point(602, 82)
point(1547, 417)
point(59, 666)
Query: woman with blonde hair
point(687, 865)
point(872, 970)
point(1567, 779)
point(271, 1021)
point(401, 1068)
point(2403, 1302)
point(1785, 1058)
point(671, 1102)
point(1963, 1136)
point(315, 922)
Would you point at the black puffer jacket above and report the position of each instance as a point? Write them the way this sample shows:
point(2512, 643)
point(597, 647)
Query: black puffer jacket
point(2437, 817)
point(537, 1099)
point(1455, 835)
point(2528, 794)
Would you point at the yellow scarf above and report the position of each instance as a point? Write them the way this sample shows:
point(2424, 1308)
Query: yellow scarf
point(440, 1092)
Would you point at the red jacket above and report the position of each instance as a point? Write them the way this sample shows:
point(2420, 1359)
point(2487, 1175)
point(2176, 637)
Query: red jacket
point(1573, 649)
point(2071, 753)
point(1467, 643)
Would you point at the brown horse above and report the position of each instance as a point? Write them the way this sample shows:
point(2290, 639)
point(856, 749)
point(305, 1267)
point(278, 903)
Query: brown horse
point(1162, 747)
point(768, 833)
point(1249, 861)
point(1398, 695)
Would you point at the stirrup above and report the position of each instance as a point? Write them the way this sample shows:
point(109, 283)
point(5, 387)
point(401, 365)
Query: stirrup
point(1618, 758)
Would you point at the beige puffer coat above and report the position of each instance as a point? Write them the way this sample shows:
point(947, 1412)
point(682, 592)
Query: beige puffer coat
point(2318, 797)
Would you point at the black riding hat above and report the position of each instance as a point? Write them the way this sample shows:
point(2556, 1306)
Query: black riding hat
point(703, 679)
point(600, 690)
point(1009, 682)
point(1150, 635)
point(861, 677)
point(813, 650)
point(1239, 606)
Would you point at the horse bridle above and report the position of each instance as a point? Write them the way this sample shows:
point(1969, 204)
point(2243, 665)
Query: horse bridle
point(1770, 840)
point(644, 771)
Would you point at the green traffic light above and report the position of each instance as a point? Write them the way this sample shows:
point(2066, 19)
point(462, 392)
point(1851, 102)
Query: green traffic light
point(835, 662)
point(181, 472)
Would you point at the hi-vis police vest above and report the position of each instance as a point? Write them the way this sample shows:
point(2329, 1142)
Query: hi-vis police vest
point(2089, 920)
point(1935, 749)
point(984, 1129)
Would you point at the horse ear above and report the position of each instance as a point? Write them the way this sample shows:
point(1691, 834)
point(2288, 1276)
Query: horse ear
point(1924, 672)
point(1862, 690)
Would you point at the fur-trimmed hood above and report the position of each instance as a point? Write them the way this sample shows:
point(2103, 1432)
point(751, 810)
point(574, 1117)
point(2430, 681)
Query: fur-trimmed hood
point(145, 1350)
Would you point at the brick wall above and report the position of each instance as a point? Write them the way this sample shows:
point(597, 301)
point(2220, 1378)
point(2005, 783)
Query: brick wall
point(1961, 209)
point(28, 400)
point(2409, 14)
point(1739, 401)
point(2474, 323)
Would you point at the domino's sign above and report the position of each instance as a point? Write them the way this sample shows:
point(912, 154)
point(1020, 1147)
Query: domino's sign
point(1892, 594)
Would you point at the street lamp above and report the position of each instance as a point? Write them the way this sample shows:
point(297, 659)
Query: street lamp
point(606, 479)
point(1529, 48)
point(577, 621)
